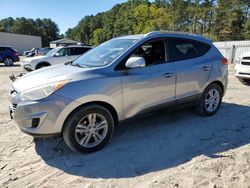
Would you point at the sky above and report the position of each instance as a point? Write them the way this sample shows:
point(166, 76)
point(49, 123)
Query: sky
point(66, 13)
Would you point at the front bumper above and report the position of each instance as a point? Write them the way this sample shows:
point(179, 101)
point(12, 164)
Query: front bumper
point(242, 71)
point(16, 59)
point(38, 118)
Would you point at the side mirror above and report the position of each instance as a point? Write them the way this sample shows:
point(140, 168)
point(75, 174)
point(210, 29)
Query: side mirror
point(135, 62)
point(56, 55)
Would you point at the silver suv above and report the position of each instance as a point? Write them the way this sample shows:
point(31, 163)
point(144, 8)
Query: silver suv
point(55, 56)
point(123, 77)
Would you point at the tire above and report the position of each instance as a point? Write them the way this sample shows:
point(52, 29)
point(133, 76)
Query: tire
point(78, 134)
point(42, 65)
point(8, 61)
point(206, 108)
point(245, 81)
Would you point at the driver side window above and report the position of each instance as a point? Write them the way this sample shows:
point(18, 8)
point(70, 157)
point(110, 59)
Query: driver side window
point(153, 52)
point(63, 52)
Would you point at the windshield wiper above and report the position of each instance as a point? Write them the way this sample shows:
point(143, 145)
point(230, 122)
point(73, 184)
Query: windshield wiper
point(78, 65)
point(68, 63)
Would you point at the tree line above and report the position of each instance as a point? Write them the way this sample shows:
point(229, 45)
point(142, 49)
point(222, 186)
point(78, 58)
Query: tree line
point(46, 28)
point(219, 20)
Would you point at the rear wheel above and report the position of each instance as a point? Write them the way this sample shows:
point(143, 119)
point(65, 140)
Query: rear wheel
point(8, 61)
point(210, 100)
point(88, 129)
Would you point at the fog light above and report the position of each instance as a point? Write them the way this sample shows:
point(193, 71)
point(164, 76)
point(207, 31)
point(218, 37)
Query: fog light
point(35, 122)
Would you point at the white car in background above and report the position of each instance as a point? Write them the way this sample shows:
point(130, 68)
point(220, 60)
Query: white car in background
point(55, 56)
point(242, 68)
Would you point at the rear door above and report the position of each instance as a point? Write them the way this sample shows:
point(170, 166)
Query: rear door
point(191, 65)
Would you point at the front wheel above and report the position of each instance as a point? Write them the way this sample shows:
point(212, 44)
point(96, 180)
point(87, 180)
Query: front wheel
point(8, 61)
point(210, 100)
point(88, 129)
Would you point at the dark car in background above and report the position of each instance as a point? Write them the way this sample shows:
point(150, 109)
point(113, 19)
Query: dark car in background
point(8, 55)
point(42, 51)
point(30, 53)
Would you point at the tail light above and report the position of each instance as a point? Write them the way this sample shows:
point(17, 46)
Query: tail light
point(224, 61)
point(15, 54)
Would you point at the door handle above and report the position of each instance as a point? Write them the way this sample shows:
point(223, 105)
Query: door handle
point(168, 75)
point(205, 68)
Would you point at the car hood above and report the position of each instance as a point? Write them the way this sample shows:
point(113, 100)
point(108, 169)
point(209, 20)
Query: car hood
point(53, 74)
point(246, 54)
point(35, 58)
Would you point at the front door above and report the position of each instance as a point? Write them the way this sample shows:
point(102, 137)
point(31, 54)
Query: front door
point(62, 56)
point(148, 86)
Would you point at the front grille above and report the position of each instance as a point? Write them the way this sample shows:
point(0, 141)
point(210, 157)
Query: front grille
point(12, 90)
point(245, 63)
point(13, 107)
point(244, 73)
point(246, 58)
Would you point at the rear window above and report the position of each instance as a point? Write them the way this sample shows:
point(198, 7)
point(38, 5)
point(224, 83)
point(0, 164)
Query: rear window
point(4, 49)
point(11, 49)
point(181, 49)
point(78, 51)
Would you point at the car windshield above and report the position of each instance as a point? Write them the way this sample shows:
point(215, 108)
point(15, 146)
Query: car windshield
point(104, 54)
point(52, 52)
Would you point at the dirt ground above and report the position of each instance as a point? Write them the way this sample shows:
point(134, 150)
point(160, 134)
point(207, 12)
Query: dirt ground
point(163, 149)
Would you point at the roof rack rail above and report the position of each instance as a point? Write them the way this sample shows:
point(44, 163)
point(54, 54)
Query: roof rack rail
point(153, 32)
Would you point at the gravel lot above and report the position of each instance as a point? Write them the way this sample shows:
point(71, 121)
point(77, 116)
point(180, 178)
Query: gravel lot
point(163, 149)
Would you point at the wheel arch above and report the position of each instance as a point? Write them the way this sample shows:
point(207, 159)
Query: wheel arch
point(219, 83)
point(106, 105)
point(42, 63)
point(8, 57)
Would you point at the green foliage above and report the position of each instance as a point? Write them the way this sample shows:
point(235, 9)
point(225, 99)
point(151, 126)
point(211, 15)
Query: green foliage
point(216, 19)
point(6, 24)
point(246, 31)
point(45, 28)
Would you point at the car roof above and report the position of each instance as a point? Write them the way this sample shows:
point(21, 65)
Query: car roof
point(5, 46)
point(84, 46)
point(77, 46)
point(167, 34)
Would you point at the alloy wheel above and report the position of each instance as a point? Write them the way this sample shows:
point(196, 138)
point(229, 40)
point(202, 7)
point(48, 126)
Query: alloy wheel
point(8, 61)
point(212, 100)
point(91, 130)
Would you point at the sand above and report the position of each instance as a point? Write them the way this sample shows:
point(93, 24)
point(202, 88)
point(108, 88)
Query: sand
point(163, 149)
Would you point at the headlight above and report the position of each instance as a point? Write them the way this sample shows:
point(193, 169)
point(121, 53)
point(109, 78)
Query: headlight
point(237, 61)
point(42, 91)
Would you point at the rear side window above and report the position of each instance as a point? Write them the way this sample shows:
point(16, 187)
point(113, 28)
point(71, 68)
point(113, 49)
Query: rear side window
point(181, 49)
point(2, 49)
point(78, 51)
point(10, 49)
